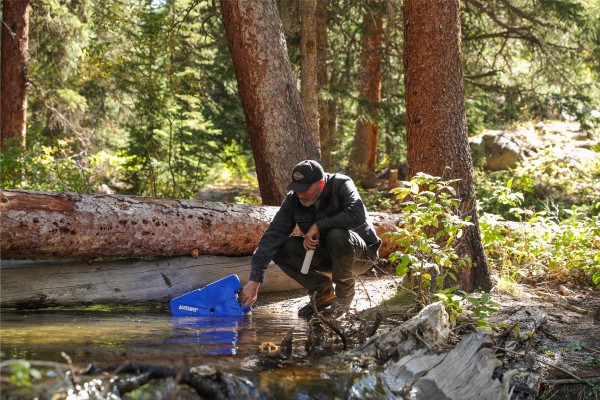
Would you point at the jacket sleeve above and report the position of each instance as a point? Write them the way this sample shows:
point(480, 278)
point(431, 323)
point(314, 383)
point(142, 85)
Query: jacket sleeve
point(352, 213)
point(271, 241)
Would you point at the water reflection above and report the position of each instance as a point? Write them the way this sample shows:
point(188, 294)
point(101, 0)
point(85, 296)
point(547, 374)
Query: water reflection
point(154, 337)
point(220, 335)
point(109, 336)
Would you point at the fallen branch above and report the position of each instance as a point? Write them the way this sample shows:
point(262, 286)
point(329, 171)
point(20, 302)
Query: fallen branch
point(541, 361)
point(329, 323)
point(562, 302)
point(569, 381)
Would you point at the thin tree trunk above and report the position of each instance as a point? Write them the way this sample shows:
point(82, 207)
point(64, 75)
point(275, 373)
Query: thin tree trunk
point(436, 119)
point(288, 12)
point(39, 225)
point(323, 84)
point(308, 66)
point(13, 81)
point(363, 158)
point(277, 127)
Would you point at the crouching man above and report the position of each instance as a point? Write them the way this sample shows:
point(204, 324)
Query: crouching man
point(330, 213)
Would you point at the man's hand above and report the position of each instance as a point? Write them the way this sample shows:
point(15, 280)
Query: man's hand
point(249, 293)
point(311, 239)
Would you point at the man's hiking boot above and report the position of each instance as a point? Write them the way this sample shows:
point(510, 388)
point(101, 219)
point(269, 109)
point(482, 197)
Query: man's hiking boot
point(338, 308)
point(323, 299)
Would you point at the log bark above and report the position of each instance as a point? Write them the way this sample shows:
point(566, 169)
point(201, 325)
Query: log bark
point(39, 284)
point(50, 226)
point(417, 362)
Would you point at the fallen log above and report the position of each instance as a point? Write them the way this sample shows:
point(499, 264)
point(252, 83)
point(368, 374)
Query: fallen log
point(49, 226)
point(417, 363)
point(39, 284)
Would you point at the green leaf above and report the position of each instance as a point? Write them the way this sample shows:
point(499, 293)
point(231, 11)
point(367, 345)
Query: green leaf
point(414, 187)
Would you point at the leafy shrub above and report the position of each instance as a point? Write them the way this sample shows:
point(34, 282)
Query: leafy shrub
point(427, 232)
point(554, 244)
point(52, 167)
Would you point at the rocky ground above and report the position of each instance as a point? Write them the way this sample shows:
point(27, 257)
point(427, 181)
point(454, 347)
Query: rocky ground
point(549, 334)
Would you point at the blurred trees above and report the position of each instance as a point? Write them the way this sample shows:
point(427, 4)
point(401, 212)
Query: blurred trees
point(141, 95)
point(363, 158)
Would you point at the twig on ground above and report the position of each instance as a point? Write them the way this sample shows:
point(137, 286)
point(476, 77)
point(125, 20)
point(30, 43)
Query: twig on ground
point(506, 331)
point(569, 381)
point(329, 323)
point(543, 362)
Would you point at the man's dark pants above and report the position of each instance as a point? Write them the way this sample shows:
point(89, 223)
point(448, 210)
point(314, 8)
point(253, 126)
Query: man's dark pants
point(342, 253)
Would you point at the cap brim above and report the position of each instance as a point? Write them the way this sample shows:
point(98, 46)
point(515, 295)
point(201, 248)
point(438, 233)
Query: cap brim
point(299, 187)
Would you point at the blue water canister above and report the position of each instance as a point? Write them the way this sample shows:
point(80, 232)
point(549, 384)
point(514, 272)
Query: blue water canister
point(218, 299)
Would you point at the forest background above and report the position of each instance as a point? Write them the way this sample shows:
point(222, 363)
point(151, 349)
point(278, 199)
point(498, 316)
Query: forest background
point(140, 97)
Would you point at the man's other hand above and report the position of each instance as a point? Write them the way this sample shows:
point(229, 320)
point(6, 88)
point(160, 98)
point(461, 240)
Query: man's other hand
point(311, 239)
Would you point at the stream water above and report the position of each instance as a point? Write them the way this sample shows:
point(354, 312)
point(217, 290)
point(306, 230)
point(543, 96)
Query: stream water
point(108, 336)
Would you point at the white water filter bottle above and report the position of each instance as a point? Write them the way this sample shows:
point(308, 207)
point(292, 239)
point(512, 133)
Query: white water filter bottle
point(307, 259)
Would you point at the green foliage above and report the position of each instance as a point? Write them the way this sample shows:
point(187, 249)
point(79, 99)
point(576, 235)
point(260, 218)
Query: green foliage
point(429, 229)
point(21, 373)
point(556, 244)
point(425, 240)
point(547, 67)
point(549, 181)
point(53, 167)
point(483, 306)
point(553, 199)
point(147, 85)
point(453, 303)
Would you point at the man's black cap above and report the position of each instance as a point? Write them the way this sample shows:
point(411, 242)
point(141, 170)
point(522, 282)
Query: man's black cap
point(305, 173)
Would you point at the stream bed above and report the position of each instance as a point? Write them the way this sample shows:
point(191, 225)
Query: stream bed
point(149, 335)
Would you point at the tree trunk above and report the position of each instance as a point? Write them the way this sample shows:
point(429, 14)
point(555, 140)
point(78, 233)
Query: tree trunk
point(67, 225)
point(435, 112)
point(308, 66)
point(13, 81)
point(363, 158)
point(290, 21)
point(277, 127)
point(323, 85)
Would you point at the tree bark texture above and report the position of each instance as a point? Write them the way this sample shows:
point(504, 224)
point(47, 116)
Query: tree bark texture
point(13, 80)
point(276, 123)
point(75, 226)
point(363, 158)
point(323, 84)
point(308, 66)
point(437, 137)
point(290, 20)
point(418, 361)
point(37, 284)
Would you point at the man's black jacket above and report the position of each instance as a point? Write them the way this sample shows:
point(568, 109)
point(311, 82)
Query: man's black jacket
point(340, 206)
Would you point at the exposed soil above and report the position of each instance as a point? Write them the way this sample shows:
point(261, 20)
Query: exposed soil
point(551, 335)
